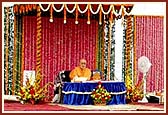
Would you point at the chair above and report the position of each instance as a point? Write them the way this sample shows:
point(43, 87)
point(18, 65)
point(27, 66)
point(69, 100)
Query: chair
point(62, 77)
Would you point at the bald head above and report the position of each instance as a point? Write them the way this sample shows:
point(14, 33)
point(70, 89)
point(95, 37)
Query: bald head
point(82, 63)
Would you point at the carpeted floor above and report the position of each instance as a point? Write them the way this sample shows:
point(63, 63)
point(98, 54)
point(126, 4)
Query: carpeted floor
point(16, 106)
point(125, 107)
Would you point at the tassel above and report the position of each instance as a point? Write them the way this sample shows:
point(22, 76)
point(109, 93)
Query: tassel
point(64, 15)
point(88, 22)
point(123, 13)
point(76, 18)
point(100, 16)
point(111, 16)
point(51, 14)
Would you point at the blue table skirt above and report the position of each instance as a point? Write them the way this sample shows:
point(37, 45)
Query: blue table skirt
point(79, 93)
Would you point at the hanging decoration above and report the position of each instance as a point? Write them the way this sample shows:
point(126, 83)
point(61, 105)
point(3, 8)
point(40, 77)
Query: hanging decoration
point(76, 16)
point(80, 11)
point(127, 8)
point(134, 55)
point(88, 21)
point(98, 9)
point(62, 7)
point(100, 17)
point(109, 50)
point(18, 52)
point(103, 52)
point(99, 54)
point(38, 47)
point(7, 52)
point(123, 49)
point(64, 15)
point(109, 10)
point(25, 8)
point(106, 41)
point(51, 13)
point(114, 8)
point(10, 47)
point(128, 64)
point(22, 54)
point(112, 53)
point(14, 56)
point(70, 11)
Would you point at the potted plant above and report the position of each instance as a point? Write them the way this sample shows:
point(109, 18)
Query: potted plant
point(100, 95)
point(32, 93)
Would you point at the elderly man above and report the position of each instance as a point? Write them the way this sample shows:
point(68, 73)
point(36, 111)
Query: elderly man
point(80, 73)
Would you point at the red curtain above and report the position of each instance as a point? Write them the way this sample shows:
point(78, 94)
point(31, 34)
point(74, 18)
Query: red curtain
point(149, 35)
point(62, 45)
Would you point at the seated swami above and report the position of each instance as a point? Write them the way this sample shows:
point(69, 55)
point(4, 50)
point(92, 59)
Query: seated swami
point(80, 73)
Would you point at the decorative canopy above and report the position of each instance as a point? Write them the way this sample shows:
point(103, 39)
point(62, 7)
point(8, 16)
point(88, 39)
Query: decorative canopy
point(112, 10)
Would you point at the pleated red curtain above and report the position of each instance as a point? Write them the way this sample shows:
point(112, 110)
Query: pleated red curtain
point(150, 43)
point(63, 45)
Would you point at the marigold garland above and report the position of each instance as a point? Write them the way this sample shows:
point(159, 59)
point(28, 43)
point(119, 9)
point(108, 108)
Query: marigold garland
point(128, 54)
point(38, 48)
point(21, 9)
point(18, 66)
point(22, 69)
point(7, 50)
point(97, 50)
point(14, 56)
point(109, 50)
point(135, 59)
point(102, 50)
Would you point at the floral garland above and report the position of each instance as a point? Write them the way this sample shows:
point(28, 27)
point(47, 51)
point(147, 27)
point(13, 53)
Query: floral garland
point(38, 47)
point(106, 38)
point(128, 70)
point(135, 60)
point(14, 55)
point(99, 47)
point(22, 49)
point(123, 50)
point(109, 50)
point(7, 51)
point(89, 9)
point(18, 51)
point(112, 55)
point(11, 43)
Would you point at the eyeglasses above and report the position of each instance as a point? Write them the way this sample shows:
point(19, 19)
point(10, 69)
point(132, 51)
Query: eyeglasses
point(83, 63)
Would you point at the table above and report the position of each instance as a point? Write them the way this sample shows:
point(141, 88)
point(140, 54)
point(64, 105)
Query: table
point(79, 93)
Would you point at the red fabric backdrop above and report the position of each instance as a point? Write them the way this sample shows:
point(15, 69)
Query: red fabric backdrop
point(149, 35)
point(62, 45)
